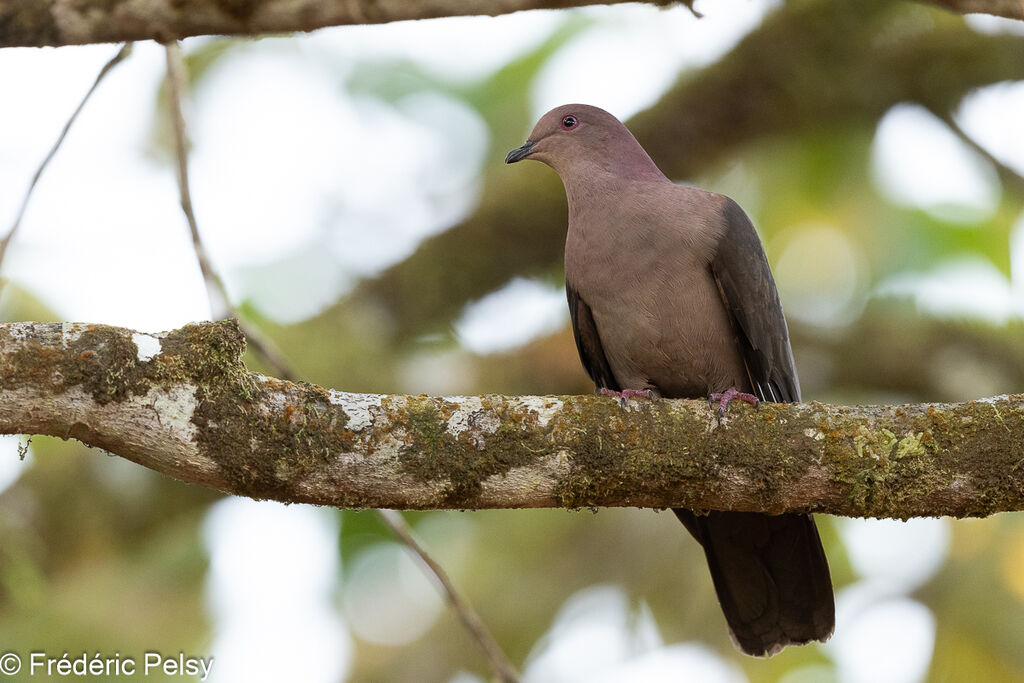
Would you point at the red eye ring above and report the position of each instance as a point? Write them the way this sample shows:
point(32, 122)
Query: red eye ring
point(570, 122)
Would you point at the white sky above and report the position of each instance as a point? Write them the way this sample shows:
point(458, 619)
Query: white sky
point(296, 182)
point(287, 556)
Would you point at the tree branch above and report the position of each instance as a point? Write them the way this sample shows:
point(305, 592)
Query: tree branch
point(35, 23)
point(32, 23)
point(1011, 9)
point(268, 351)
point(182, 403)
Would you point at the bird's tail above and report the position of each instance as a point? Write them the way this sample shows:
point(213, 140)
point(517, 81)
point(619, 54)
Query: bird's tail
point(771, 577)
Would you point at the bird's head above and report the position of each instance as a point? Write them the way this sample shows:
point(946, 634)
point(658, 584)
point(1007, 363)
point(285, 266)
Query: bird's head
point(574, 137)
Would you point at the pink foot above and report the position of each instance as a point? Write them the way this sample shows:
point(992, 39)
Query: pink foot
point(730, 395)
point(625, 394)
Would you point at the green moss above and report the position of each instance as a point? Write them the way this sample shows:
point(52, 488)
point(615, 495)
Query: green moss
point(898, 474)
point(102, 361)
point(33, 365)
point(909, 445)
point(270, 438)
point(433, 454)
point(424, 453)
point(645, 452)
point(615, 450)
point(262, 452)
point(887, 471)
point(208, 351)
point(875, 444)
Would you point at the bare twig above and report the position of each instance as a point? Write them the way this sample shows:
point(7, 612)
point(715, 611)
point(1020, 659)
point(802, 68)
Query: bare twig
point(1006, 174)
point(502, 667)
point(122, 53)
point(220, 302)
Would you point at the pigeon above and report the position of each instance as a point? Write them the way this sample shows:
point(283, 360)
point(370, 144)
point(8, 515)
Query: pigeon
point(670, 295)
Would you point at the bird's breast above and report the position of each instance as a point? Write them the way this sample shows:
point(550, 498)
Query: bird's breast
point(658, 313)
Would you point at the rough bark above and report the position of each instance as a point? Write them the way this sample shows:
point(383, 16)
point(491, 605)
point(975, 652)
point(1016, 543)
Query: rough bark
point(184, 404)
point(35, 23)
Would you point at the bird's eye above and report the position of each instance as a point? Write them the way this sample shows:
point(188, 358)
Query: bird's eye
point(570, 122)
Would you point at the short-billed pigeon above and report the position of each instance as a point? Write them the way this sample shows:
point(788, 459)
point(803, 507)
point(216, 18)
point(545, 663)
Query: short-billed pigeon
point(670, 295)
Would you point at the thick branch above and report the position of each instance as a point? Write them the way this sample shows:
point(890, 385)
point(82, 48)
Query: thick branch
point(183, 403)
point(34, 23)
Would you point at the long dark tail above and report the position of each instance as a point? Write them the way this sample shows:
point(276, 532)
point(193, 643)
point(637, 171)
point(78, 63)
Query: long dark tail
point(771, 577)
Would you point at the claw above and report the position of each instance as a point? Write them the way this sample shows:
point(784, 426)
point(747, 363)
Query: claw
point(731, 394)
point(625, 394)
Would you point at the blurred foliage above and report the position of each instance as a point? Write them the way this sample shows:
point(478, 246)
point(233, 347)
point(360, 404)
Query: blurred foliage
point(502, 98)
point(98, 554)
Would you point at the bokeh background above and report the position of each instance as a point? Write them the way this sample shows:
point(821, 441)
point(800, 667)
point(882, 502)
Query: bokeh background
point(350, 188)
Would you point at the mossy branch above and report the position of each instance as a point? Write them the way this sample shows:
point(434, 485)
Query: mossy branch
point(183, 403)
point(35, 23)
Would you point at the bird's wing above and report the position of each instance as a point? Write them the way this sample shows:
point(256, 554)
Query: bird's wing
point(588, 342)
point(745, 283)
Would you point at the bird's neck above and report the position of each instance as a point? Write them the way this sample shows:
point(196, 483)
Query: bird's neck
point(602, 189)
point(624, 158)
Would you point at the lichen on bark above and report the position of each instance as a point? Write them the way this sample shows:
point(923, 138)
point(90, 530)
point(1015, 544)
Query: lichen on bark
point(186, 405)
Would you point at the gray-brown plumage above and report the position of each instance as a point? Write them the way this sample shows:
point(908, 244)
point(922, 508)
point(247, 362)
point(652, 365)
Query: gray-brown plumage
point(669, 291)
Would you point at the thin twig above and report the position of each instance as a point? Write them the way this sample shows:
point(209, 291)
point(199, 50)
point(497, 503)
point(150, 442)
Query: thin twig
point(1008, 175)
point(220, 303)
point(219, 300)
point(122, 53)
point(503, 668)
